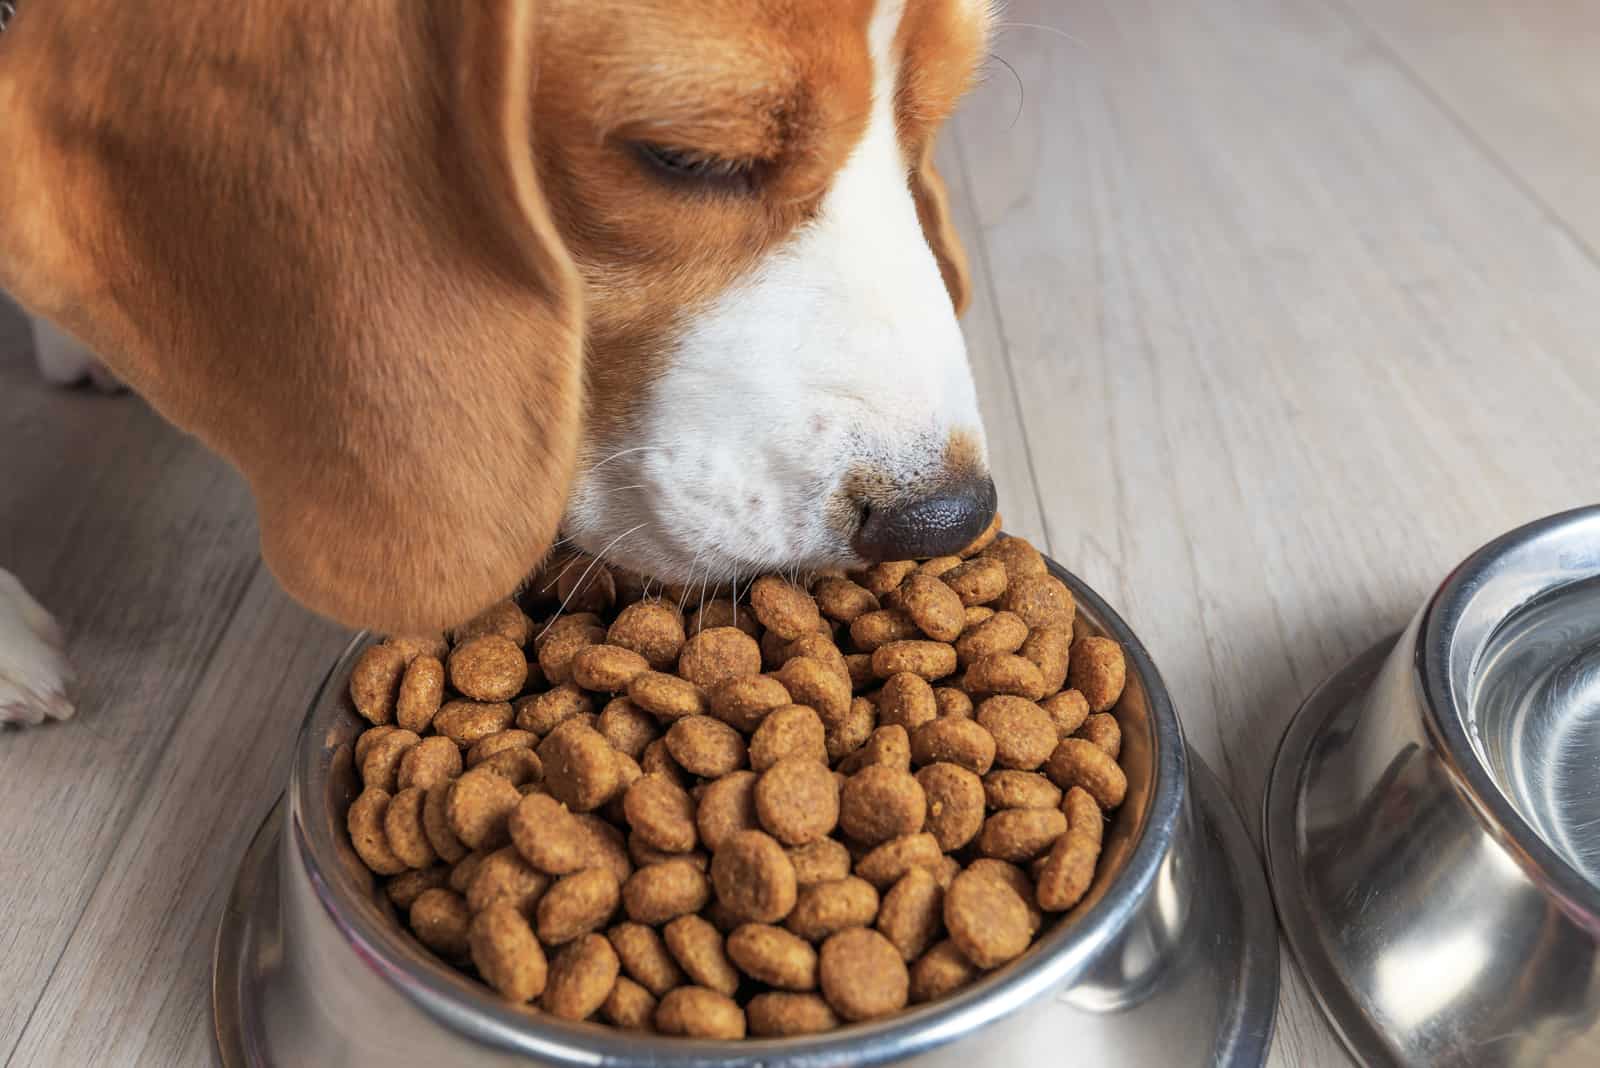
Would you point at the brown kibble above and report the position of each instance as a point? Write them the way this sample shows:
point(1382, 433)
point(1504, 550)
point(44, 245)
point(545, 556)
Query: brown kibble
point(1020, 834)
point(753, 877)
point(955, 804)
point(543, 713)
point(374, 681)
point(1002, 632)
point(607, 848)
point(656, 760)
point(773, 956)
point(940, 971)
point(742, 703)
point(549, 836)
point(581, 978)
point(783, 609)
point(570, 622)
point(937, 565)
point(1079, 762)
point(1024, 737)
point(952, 702)
point(1098, 671)
point(812, 682)
point(721, 612)
point(983, 540)
point(879, 579)
point(629, 1006)
point(788, 731)
point(700, 951)
point(779, 1014)
point(1103, 730)
point(651, 629)
point(477, 807)
point(1049, 649)
point(666, 697)
point(931, 660)
point(461, 875)
point(986, 919)
point(824, 908)
point(843, 600)
point(499, 742)
point(580, 769)
point(862, 975)
point(1068, 871)
point(507, 954)
point(718, 654)
point(381, 767)
point(889, 747)
point(403, 828)
point(607, 668)
point(661, 813)
point(852, 732)
point(1005, 673)
point(796, 800)
point(883, 866)
point(1020, 559)
point(520, 767)
point(859, 667)
point(586, 586)
point(468, 722)
point(421, 690)
point(365, 822)
point(664, 891)
point(504, 878)
point(504, 619)
point(956, 740)
point(907, 700)
point(645, 957)
point(1083, 814)
point(488, 668)
point(1020, 789)
point(643, 854)
point(823, 860)
point(1041, 601)
point(873, 629)
point(912, 914)
point(977, 581)
point(821, 648)
point(577, 904)
point(441, 919)
point(436, 824)
point(1015, 878)
point(404, 889)
point(696, 1012)
point(934, 607)
point(627, 727)
point(557, 649)
point(366, 740)
point(414, 645)
point(726, 807)
point(977, 613)
point(428, 763)
point(1067, 710)
point(880, 803)
point(705, 746)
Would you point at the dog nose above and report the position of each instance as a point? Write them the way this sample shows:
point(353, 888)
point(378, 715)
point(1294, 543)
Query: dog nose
point(936, 525)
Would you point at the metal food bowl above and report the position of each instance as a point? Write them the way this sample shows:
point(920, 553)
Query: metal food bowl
point(1433, 819)
point(1171, 959)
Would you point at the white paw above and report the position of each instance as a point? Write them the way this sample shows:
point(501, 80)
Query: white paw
point(34, 673)
point(64, 361)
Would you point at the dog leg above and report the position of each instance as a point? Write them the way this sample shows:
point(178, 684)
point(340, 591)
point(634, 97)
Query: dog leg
point(66, 362)
point(34, 673)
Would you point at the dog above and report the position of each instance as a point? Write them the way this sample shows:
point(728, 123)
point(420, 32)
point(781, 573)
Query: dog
point(675, 277)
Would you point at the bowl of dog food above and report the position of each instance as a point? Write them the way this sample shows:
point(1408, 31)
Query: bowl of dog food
point(1433, 818)
point(932, 812)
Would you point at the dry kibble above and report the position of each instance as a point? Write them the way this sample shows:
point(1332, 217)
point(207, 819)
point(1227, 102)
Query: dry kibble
point(661, 813)
point(879, 803)
point(873, 629)
point(581, 978)
point(1002, 632)
point(586, 586)
point(666, 697)
point(504, 619)
point(607, 668)
point(1049, 649)
point(488, 668)
point(365, 822)
point(432, 761)
point(722, 613)
point(607, 846)
point(1079, 762)
point(955, 740)
point(987, 920)
point(436, 824)
point(1005, 673)
point(700, 951)
point(645, 957)
point(821, 648)
point(823, 908)
point(726, 807)
point(753, 877)
point(366, 740)
point(797, 800)
point(664, 891)
point(983, 540)
point(937, 565)
point(718, 654)
point(380, 768)
point(374, 681)
point(549, 836)
point(651, 629)
point(783, 609)
point(405, 888)
point(543, 713)
point(403, 828)
point(1024, 737)
point(557, 649)
point(788, 731)
point(463, 871)
point(1015, 878)
point(952, 702)
point(507, 954)
point(931, 660)
point(940, 971)
point(853, 731)
point(977, 613)
point(696, 1012)
point(499, 742)
point(504, 878)
point(889, 747)
point(912, 914)
point(779, 1014)
point(934, 607)
point(1020, 789)
point(820, 861)
point(843, 600)
point(421, 690)
point(812, 682)
point(705, 746)
point(862, 975)
point(1020, 834)
point(742, 703)
point(977, 581)
point(441, 919)
point(1098, 671)
point(1083, 814)
point(879, 579)
point(657, 760)
point(627, 727)
point(955, 803)
point(1067, 872)
point(520, 767)
point(859, 667)
point(580, 767)
point(643, 854)
point(577, 904)
point(773, 956)
point(629, 1006)
point(1020, 559)
point(469, 722)
point(1103, 730)
point(477, 808)
point(415, 645)
point(570, 622)
point(906, 700)
point(1041, 601)
point(1067, 710)
point(883, 866)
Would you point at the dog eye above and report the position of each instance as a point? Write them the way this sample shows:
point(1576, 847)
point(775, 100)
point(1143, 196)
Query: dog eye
point(688, 166)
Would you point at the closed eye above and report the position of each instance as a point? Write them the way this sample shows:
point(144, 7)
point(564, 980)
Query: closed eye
point(693, 168)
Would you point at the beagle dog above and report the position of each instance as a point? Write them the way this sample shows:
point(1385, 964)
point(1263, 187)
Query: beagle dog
point(673, 276)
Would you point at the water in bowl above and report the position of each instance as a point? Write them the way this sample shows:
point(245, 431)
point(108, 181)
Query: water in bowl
point(1537, 711)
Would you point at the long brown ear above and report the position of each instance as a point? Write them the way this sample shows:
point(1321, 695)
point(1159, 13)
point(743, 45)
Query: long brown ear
point(312, 235)
point(933, 210)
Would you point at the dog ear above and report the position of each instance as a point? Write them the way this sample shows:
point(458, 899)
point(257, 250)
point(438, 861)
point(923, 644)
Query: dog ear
point(933, 211)
point(312, 235)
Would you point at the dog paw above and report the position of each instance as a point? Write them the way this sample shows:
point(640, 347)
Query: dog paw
point(34, 674)
point(64, 361)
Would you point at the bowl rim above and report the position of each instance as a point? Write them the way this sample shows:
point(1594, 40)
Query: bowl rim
point(1447, 714)
point(1060, 959)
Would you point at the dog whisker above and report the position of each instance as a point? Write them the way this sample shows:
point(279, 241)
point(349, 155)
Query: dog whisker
point(585, 576)
point(621, 453)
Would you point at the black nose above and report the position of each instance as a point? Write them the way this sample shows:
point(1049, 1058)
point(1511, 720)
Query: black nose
point(936, 525)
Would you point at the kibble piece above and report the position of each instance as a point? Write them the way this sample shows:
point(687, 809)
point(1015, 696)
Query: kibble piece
point(1098, 671)
point(726, 807)
point(1020, 834)
point(1020, 558)
point(421, 690)
point(586, 586)
point(983, 540)
point(607, 668)
point(879, 579)
point(873, 629)
point(504, 619)
point(463, 871)
point(883, 866)
point(1103, 730)
point(644, 956)
point(580, 767)
point(843, 600)
point(1068, 871)
point(468, 722)
point(986, 919)
point(912, 914)
point(880, 803)
point(789, 731)
point(812, 682)
point(414, 645)
point(1002, 632)
point(696, 1012)
point(521, 767)
point(627, 727)
point(499, 742)
point(1049, 649)
point(657, 760)
point(381, 767)
point(977, 613)
point(1067, 710)
point(958, 741)
point(629, 1006)
point(821, 648)
point(722, 612)
point(1041, 601)
point(581, 978)
point(1079, 762)
point(889, 747)
point(1024, 737)
point(374, 681)
point(782, 608)
point(742, 703)
point(931, 660)
point(559, 648)
point(366, 740)
point(477, 808)
point(977, 581)
point(549, 836)
point(1005, 673)
point(503, 877)
point(862, 975)
point(940, 971)
point(700, 951)
point(1083, 814)
point(488, 668)
point(1017, 879)
point(643, 854)
point(577, 904)
point(820, 861)
point(664, 891)
point(858, 666)
point(428, 763)
point(773, 956)
point(754, 877)
point(436, 824)
point(651, 629)
point(507, 954)
point(661, 813)
point(1020, 789)
point(853, 731)
point(934, 607)
point(365, 822)
point(405, 888)
point(824, 908)
point(441, 919)
point(906, 700)
point(705, 746)
point(718, 654)
point(403, 828)
point(667, 697)
point(955, 803)
point(779, 1014)
point(797, 800)
point(937, 565)
point(952, 702)
point(543, 713)
point(567, 623)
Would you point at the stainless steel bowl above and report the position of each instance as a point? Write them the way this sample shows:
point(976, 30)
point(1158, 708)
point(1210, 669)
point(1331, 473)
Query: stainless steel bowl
point(1171, 959)
point(1433, 819)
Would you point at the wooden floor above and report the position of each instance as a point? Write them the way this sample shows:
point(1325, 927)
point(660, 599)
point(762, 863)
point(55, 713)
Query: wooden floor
point(1286, 305)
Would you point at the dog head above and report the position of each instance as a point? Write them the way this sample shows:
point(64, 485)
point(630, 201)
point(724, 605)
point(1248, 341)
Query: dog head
point(439, 277)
